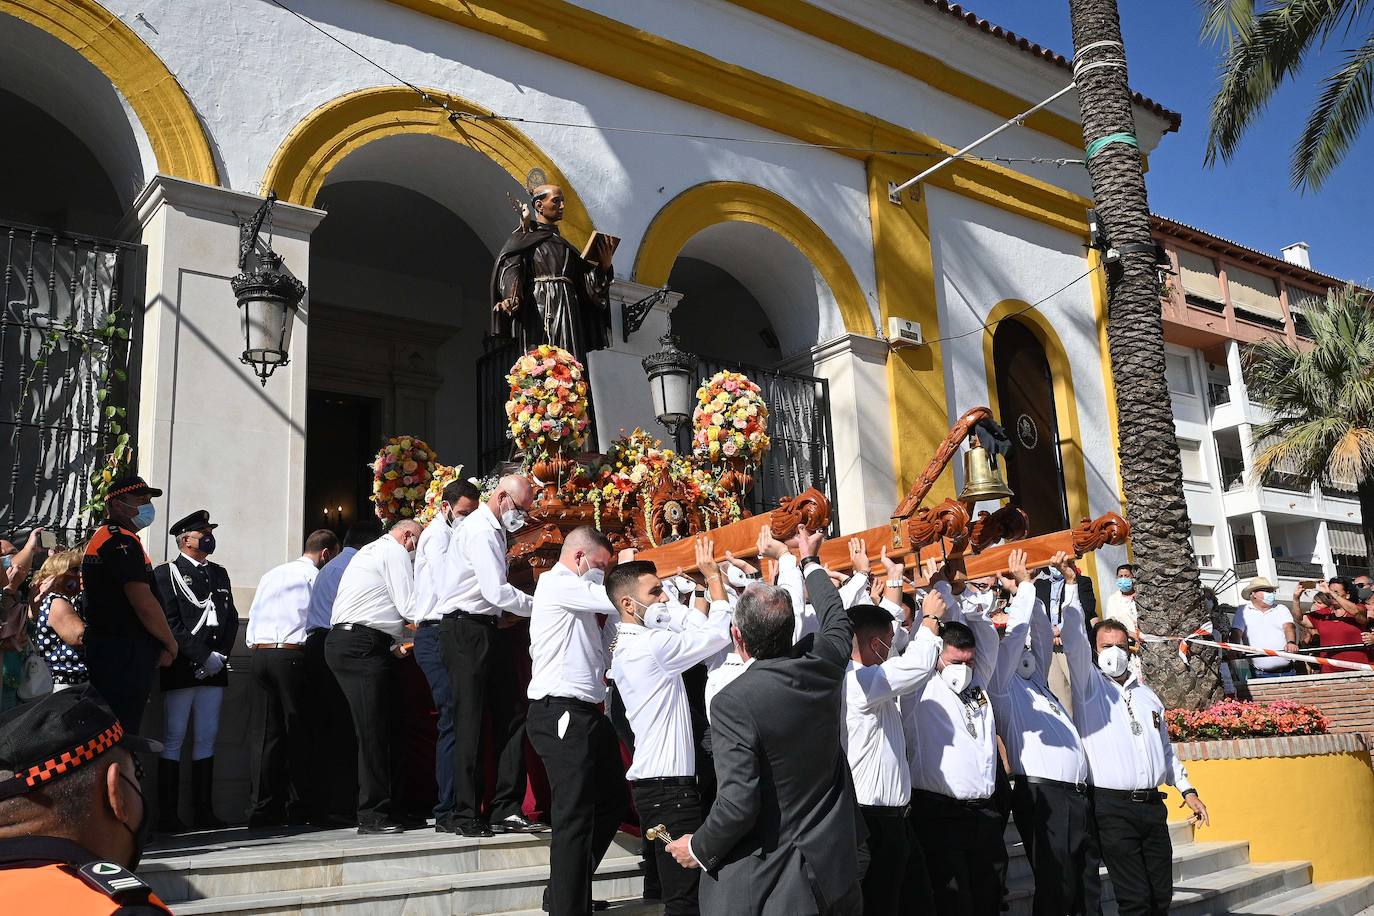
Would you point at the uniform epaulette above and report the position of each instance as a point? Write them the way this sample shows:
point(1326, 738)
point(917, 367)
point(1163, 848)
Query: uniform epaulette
point(115, 881)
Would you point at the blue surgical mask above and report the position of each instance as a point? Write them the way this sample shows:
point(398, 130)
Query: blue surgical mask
point(1055, 574)
point(1269, 598)
point(6, 561)
point(1124, 584)
point(144, 517)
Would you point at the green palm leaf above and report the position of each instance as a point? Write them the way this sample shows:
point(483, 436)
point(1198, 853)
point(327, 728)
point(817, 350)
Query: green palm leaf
point(1335, 122)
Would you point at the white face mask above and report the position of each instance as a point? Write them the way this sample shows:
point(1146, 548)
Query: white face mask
point(654, 612)
point(513, 520)
point(1112, 661)
point(956, 676)
point(669, 618)
point(593, 575)
point(1028, 666)
point(984, 599)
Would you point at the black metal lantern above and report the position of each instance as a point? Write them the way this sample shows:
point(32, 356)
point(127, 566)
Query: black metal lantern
point(267, 297)
point(670, 372)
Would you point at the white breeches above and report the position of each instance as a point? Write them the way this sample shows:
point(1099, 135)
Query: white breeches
point(181, 708)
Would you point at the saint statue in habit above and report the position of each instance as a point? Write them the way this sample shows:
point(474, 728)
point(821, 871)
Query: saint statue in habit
point(544, 290)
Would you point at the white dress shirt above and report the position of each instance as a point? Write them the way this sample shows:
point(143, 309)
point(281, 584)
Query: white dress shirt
point(1264, 629)
point(873, 737)
point(474, 580)
point(1104, 711)
point(281, 603)
point(567, 644)
point(722, 676)
point(376, 587)
point(649, 665)
point(1039, 735)
point(431, 556)
point(1122, 608)
point(325, 588)
point(945, 757)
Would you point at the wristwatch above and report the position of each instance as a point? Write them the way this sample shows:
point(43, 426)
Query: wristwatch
point(811, 559)
point(894, 583)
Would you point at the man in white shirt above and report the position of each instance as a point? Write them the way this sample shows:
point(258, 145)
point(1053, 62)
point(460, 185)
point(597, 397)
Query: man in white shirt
point(335, 790)
point(279, 736)
point(459, 500)
point(476, 603)
point(649, 665)
point(366, 636)
point(1121, 724)
point(1263, 623)
point(1049, 770)
point(876, 747)
point(566, 725)
point(954, 763)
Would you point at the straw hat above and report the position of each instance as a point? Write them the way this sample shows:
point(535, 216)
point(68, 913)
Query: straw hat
point(1259, 583)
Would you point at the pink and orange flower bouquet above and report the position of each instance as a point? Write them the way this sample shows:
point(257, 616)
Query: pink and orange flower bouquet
point(401, 476)
point(547, 408)
point(730, 419)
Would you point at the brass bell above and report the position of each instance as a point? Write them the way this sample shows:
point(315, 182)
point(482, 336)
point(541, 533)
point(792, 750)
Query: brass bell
point(982, 479)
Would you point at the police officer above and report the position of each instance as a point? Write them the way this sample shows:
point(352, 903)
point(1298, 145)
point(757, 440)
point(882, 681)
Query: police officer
point(200, 611)
point(71, 832)
point(127, 638)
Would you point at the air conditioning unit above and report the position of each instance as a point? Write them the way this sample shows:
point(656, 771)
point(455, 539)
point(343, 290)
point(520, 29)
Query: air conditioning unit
point(903, 333)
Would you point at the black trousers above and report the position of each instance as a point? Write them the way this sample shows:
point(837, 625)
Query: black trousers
point(587, 783)
point(965, 852)
point(334, 788)
point(362, 662)
point(915, 895)
point(1055, 824)
point(1134, 837)
point(123, 669)
point(884, 860)
point(280, 735)
point(480, 672)
point(675, 803)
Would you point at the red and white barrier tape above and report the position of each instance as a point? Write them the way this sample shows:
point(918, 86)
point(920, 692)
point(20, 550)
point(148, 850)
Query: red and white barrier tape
point(1204, 630)
point(1254, 650)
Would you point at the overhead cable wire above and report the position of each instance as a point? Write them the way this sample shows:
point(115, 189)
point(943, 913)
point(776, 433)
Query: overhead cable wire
point(987, 326)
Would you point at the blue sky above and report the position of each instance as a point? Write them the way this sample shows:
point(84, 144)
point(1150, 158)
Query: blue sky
point(1250, 200)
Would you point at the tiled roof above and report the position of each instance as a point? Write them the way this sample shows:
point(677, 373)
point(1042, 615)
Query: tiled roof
point(974, 21)
point(1173, 228)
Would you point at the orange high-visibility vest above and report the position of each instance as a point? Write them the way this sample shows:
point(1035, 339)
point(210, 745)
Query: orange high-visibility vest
point(56, 888)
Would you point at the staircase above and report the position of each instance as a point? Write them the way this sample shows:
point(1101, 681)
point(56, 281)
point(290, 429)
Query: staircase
point(421, 872)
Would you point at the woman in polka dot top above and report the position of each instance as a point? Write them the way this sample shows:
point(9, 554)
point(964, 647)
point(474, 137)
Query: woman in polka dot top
point(59, 629)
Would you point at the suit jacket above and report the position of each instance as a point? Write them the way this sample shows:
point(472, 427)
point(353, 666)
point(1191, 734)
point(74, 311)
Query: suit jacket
point(781, 837)
point(183, 616)
point(1086, 597)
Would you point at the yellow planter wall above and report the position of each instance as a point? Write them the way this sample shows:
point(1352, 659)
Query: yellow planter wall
point(1318, 808)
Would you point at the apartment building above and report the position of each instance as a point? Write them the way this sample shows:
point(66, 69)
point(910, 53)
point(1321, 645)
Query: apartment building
point(1220, 297)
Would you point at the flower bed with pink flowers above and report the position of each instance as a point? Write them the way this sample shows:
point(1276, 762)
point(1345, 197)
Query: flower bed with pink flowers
point(1235, 719)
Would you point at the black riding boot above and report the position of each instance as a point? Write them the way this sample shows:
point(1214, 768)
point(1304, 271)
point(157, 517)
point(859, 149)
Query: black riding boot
point(168, 793)
point(202, 785)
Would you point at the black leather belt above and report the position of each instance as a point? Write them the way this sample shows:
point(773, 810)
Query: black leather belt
point(363, 628)
point(423, 624)
point(667, 781)
point(1141, 796)
point(1080, 787)
point(885, 810)
point(488, 619)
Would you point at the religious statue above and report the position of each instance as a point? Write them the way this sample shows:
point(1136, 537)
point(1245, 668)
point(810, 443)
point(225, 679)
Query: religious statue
point(544, 290)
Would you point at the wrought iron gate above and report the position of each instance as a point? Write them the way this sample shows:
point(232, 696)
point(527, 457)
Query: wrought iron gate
point(71, 309)
point(493, 448)
point(802, 454)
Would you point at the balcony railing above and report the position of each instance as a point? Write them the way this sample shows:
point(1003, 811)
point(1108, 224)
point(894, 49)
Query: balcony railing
point(1351, 571)
point(1247, 569)
point(1218, 393)
point(1336, 492)
point(1297, 569)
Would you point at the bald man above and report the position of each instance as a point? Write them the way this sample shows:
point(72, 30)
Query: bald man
point(366, 635)
point(542, 289)
point(478, 604)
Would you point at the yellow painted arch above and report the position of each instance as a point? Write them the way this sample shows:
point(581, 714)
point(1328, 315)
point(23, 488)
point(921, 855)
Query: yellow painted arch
point(329, 133)
point(1065, 404)
point(174, 131)
point(714, 202)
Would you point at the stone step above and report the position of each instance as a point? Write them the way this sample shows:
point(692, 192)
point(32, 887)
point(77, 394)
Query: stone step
point(503, 890)
point(1352, 897)
point(241, 861)
point(1231, 888)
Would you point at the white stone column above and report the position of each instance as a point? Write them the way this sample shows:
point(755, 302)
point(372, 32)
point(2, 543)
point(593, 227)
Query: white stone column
point(209, 434)
point(860, 421)
point(620, 390)
point(1239, 394)
point(1265, 565)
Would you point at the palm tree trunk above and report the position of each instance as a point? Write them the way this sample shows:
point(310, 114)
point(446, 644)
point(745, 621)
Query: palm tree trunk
point(1169, 596)
point(1366, 492)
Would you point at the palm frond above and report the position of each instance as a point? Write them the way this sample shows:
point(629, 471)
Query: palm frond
point(1261, 55)
point(1336, 120)
point(1223, 20)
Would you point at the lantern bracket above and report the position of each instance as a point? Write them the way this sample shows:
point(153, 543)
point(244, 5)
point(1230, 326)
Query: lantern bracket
point(632, 314)
point(249, 231)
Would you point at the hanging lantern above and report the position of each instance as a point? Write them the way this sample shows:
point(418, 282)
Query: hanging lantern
point(267, 297)
point(670, 372)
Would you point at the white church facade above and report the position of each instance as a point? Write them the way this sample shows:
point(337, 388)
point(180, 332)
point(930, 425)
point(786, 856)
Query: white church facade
point(742, 150)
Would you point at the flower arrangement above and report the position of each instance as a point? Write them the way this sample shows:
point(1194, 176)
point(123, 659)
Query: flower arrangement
point(1236, 719)
point(401, 476)
point(547, 408)
point(730, 419)
point(441, 476)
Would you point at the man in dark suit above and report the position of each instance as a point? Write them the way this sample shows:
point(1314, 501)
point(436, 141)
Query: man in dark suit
point(781, 837)
point(199, 604)
point(1049, 588)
